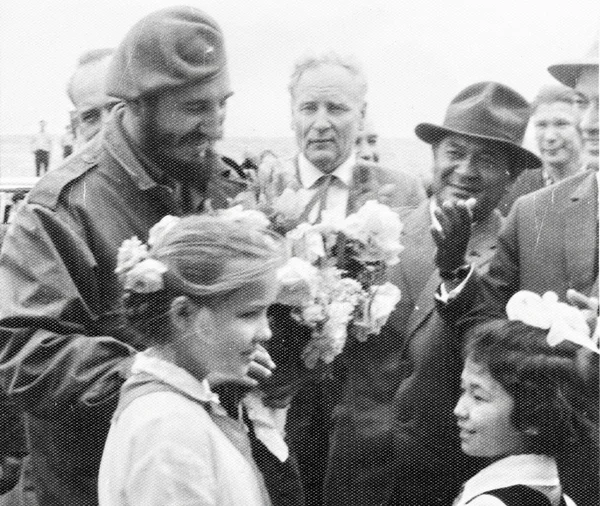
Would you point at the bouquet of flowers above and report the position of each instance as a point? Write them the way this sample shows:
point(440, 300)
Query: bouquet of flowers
point(332, 279)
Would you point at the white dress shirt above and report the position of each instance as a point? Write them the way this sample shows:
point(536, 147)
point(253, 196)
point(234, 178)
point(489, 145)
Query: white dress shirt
point(337, 195)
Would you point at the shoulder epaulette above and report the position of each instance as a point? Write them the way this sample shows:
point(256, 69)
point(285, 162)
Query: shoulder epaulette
point(49, 189)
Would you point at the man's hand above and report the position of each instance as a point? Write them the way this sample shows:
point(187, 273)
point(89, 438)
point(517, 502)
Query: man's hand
point(261, 367)
point(452, 238)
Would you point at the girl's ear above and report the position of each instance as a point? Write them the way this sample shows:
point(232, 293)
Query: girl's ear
point(182, 309)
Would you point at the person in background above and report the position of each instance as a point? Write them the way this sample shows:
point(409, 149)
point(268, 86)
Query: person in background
point(328, 107)
point(87, 91)
point(394, 438)
point(41, 146)
point(555, 122)
point(67, 141)
point(65, 351)
point(522, 405)
point(367, 142)
point(549, 243)
point(582, 76)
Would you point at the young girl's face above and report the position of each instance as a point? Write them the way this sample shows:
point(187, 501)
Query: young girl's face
point(222, 339)
point(483, 415)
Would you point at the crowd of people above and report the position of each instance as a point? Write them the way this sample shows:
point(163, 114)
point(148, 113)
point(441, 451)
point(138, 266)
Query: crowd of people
point(145, 359)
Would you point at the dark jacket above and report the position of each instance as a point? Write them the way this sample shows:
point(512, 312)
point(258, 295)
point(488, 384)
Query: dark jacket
point(549, 243)
point(64, 349)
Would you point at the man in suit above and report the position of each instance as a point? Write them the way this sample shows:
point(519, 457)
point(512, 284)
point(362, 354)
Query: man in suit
point(555, 121)
point(328, 109)
point(395, 438)
point(549, 243)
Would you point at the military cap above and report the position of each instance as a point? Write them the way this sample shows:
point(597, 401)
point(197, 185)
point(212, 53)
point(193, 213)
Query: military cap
point(168, 48)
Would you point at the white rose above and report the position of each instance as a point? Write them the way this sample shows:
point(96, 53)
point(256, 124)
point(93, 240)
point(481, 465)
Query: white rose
point(251, 217)
point(298, 282)
point(291, 203)
point(131, 252)
point(146, 277)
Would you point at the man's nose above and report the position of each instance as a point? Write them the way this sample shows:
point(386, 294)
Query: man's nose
point(466, 167)
point(264, 331)
point(322, 120)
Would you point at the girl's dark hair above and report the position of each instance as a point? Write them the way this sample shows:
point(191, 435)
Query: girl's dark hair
point(547, 387)
point(208, 258)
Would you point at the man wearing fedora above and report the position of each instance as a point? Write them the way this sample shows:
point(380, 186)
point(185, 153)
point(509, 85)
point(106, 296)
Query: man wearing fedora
point(395, 440)
point(549, 243)
point(64, 350)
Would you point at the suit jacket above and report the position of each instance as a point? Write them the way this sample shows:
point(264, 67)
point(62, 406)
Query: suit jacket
point(369, 181)
point(309, 417)
point(528, 181)
point(550, 243)
point(395, 436)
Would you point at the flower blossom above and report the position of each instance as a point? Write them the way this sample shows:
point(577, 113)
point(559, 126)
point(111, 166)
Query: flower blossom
point(131, 252)
point(377, 229)
point(563, 322)
point(298, 282)
point(251, 217)
point(146, 276)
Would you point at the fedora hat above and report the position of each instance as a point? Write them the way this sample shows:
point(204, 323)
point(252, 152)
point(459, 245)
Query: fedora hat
point(568, 72)
point(488, 111)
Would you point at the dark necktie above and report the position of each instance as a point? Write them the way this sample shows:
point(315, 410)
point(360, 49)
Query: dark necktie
point(319, 198)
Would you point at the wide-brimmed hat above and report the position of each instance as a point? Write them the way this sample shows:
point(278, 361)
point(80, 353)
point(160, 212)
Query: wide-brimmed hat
point(568, 72)
point(168, 48)
point(489, 111)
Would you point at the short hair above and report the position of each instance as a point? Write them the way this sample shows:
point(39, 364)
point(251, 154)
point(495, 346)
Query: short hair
point(89, 56)
point(207, 259)
point(311, 61)
point(548, 389)
point(554, 93)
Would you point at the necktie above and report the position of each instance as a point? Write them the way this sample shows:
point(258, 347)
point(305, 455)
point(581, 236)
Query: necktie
point(319, 198)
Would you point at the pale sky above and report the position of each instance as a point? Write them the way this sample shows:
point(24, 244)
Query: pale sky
point(417, 54)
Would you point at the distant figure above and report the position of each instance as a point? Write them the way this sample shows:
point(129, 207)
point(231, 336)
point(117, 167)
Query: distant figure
point(41, 145)
point(86, 91)
point(555, 119)
point(67, 141)
point(17, 201)
point(367, 147)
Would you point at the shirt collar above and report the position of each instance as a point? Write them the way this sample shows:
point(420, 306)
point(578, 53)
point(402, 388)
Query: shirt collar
point(309, 174)
point(530, 470)
point(174, 376)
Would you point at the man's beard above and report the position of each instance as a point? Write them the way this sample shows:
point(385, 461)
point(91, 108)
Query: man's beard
point(195, 173)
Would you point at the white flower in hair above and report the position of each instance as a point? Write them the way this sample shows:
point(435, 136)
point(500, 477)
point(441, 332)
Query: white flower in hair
point(146, 276)
point(158, 231)
point(251, 217)
point(563, 322)
point(131, 252)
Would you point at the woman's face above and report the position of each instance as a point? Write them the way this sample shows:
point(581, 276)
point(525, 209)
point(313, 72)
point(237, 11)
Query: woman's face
point(483, 415)
point(222, 339)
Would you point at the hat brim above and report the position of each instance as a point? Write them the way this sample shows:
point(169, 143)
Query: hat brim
point(567, 73)
point(520, 158)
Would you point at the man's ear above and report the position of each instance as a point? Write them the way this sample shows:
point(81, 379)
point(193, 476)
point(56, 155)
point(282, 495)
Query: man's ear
point(363, 115)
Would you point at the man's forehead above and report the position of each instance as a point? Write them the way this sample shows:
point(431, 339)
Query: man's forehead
point(89, 83)
point(467, 141)
point(328, 81)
